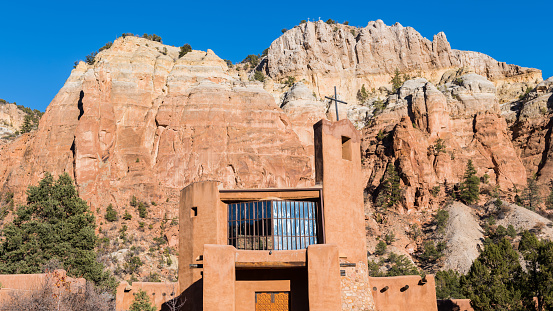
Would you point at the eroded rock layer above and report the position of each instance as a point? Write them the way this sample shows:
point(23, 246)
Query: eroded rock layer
point(142, 121)
point(348, 57)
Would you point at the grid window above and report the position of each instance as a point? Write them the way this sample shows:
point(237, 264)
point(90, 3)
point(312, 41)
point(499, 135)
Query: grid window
point(272, 225)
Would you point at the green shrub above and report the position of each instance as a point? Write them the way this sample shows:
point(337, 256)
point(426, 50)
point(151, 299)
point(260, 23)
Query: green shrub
point(330, 21)
point(152, 37)
point(252, 59)
point(432, 252)
point(132, 264)
point(141, 302)
point(435, 191)
point(127, 216)
point(123, 232)
point(133, 202)
point(142, 210)
point(185, 49)
point(511, 231)
point(111, 214)
point(91, 58)
point(390, 238)
point(440, 219)
point(399, 265)
point(415, 231)
point(303, 21)
point(380, 248)
point(259, 76)
point(283, 30)
point(290, 81)
point(106, 46)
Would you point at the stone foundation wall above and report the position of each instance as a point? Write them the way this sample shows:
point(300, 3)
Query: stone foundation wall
point(356, 291)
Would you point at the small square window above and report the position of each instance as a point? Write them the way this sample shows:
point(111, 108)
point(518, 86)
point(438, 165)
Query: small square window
point(346, 148)
point(193, 212)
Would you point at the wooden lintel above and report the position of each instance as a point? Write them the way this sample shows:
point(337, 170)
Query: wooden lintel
point(256, 196)
point(270, 264)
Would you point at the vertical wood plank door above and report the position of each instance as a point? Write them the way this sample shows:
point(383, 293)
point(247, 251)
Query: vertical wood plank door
point(272, 301)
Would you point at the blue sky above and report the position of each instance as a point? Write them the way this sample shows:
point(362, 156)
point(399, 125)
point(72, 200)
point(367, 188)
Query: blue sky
point(41, 39)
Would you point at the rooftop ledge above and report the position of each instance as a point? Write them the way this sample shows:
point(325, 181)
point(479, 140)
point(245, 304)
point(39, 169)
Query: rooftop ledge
point(270, 259)
point(270, 193)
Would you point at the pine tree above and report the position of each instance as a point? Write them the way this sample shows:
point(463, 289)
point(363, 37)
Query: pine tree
point(111, 214)
point(141, 302)
point(470, 187)
point(362, 94)
point(380, 248)
point(390, 194)
point(396, 81)
point(55, 224)
point(531, 194)
point(538, 256)
point(448, 285)
point(549, 199)
point(494, 279)
point(27, 124)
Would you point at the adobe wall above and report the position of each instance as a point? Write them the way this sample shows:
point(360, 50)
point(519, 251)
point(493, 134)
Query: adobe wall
point(338, 168)
point(158, 292)
point(324, 277)
point(404, 293)
point(202, 220)
point(11, 284)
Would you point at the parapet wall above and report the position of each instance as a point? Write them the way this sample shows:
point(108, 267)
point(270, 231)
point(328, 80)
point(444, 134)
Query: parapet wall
point(12, 285)
point(404, 293)
point(159, 293)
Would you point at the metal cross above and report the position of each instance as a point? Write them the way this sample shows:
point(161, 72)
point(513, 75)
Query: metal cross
point(336, 101)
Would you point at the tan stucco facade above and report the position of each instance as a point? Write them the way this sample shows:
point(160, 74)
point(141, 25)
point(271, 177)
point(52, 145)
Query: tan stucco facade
point(330, 274)
point(404, 293)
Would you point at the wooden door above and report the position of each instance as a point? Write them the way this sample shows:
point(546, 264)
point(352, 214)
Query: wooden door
point(272, 301)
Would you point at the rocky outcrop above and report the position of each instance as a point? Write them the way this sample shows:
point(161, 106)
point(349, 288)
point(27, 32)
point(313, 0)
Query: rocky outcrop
point(142, 121)
point(326, 55)
point(430, 137)
point(531, 128)
point(11, 119)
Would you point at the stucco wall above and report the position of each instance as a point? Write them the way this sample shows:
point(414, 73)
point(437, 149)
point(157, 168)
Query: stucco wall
point(16, 284)
point(391, 293)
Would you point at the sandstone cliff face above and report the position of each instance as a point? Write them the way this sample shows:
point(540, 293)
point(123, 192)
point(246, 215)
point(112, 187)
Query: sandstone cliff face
point(11, 119)
point(347, 57)
point(143, 122)
point(430, 137)
point(532, 129)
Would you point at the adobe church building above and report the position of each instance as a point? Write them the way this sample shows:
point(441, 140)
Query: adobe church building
point(289, 249)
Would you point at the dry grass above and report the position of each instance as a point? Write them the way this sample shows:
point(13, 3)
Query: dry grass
point(49, 296)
